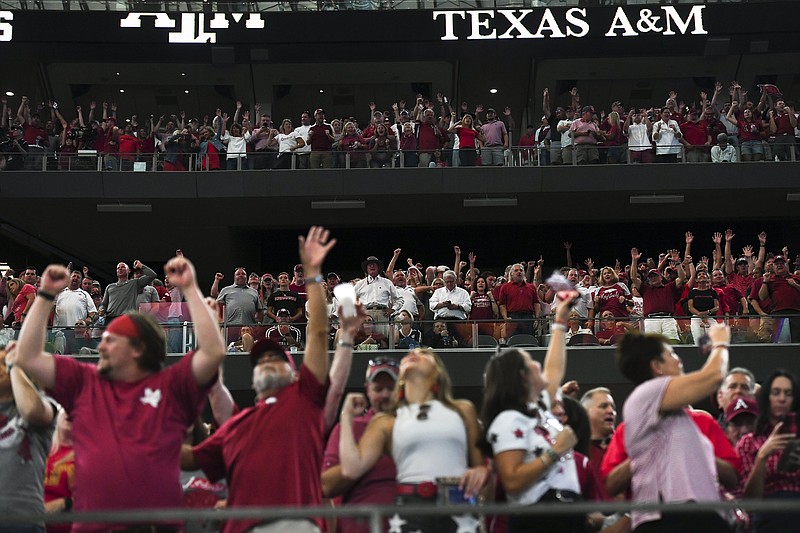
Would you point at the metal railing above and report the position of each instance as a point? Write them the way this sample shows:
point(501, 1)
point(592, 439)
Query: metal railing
point(451, 334)
point(516, 156)
point(374, 515)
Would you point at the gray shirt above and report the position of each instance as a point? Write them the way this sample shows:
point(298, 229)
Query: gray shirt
point(241, 305)
point(23, 455)
point(120, 297)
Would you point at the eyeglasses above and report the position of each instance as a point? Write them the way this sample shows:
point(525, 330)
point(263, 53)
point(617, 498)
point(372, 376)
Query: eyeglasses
point(423, 411)
point(383, 361)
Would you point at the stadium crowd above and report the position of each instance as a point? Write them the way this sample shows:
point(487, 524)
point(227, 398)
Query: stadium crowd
point(429, 133)
point(127, 423)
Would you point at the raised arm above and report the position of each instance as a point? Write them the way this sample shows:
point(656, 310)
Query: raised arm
point(555, 362)
point(357, 459)
point(32, 406)
point(342, 361)
point(457, 265)
point(210, 346)
point(635, 255)
point(692, 387)
point(728, 260)
point(390, 268)
point(215, 286)
point(37, 364)
point(313, 248)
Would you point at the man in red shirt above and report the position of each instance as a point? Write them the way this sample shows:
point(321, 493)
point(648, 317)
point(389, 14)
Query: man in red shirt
point(782, 122)
point(130, 465)
point(695, 138)
point(519, 303)
point(602, 411)
point(320, 138)
point(783, 288)
point(658, 298)
point(430, 138)
point(271, 453)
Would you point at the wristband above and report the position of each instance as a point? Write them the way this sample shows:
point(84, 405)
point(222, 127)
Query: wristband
point(560, 326)
point(720, 345)
point(553, 456)
point(346, 344)
point(46, 295)
point(316, 279)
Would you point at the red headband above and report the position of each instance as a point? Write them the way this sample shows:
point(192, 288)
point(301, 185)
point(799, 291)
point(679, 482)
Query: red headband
point(125, 326)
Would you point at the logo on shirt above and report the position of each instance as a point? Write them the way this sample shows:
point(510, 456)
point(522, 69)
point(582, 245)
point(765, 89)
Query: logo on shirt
point(151, 397)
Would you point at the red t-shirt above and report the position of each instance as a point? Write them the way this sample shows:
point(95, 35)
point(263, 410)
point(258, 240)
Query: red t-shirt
point(766, 305)
point(608, 300)
point(749, 131)
point(481, 307)
point(659, 299)
point(742, 283)
point(271, 453)
point(430, 137)
point(58, 476)
point(518, 298)
point(695, 133)
point(784, 296)
point(318, 138)
point(21, 301)
point(127, 146)
point(466, 138)
point(617, 454)
point(127, 436)
point(30, 133)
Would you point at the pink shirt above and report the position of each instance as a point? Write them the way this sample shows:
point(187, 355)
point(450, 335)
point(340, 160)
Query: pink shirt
point(671, 460)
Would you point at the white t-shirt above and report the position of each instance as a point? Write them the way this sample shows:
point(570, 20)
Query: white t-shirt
point(302, 131)
point(287, 142)
point(512, 430)
point(566, 136)
point(71, 306)
point(638, 141)
point(667, 142)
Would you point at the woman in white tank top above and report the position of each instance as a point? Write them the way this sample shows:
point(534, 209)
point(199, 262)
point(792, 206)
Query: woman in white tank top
point(429, 435)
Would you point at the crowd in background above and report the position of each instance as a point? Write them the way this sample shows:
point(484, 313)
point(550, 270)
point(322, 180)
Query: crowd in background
point(427, 132)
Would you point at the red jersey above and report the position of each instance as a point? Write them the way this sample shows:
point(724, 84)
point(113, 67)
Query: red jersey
point(58, 477)
point(518, 297)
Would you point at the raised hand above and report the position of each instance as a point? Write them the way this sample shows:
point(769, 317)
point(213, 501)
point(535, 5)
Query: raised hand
point(635, 254)
point(457, 250)
point(219, 276)
point(54, 279)
point(315, 246)
point(181, 272)
point(717, 237)
point(729, 235)
point(747, 251)
point(762, 238)
point(472, 258)
point(689, 237)
point(567, 245)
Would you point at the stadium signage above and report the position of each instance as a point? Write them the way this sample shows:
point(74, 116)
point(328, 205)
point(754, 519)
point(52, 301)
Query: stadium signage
point(454, 25)
point(6, 29)
point(487, 24)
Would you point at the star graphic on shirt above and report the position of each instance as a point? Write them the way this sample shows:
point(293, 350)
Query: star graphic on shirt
point(493, 438)
point(518, 433)
point(396, 524)
point(537, 452)
point(151, 397)
point(466, 523)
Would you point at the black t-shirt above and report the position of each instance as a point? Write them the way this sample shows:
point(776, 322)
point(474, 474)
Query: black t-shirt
point(703, 299)
point(288, 300)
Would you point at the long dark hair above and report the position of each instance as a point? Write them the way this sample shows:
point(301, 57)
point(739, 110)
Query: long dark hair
point(763, 422)
point(578, 420)
point(506, 387)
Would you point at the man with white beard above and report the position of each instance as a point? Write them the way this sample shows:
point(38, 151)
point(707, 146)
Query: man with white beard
point(271, 453)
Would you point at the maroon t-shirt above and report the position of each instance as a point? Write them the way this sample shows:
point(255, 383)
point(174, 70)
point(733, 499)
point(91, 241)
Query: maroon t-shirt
point(127, 436)
point(318, 138)
point(270, 453)
point(784, 296)
point(608, 300)
point(743, 283)
point(430, 137)
point(481, 307)
point(518, 298)
point(659, 299)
